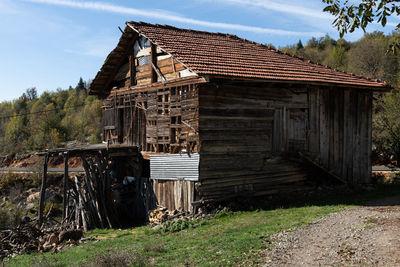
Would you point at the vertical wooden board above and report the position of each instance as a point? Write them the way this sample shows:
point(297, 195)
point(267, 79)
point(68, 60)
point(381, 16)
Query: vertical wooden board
point(193, 194)
point(276, 137)
point(181, 204)
point(364, 145)
point(363, 121)
point(184, 196)
point(174, 190)
point(337, 125)
point(164, 195)
point(365, 133)
point(285, 130)
point(155, 189)
point(340, 131)
point(346, 134)
point(331, 129)
point(369, 137)
point(313, 115)
point(190, 196)
point(184, 199)
point(363, 136)
point(324, 134)
point(171, 195)
point(160, 194)
point(356, 132)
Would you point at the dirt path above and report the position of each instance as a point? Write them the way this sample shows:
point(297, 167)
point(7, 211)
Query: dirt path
point(360, 236)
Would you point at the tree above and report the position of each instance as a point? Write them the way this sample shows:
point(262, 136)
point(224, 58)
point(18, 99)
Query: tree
point(31, 93)
point(369, 58)
point(350, 16)
point(80, 87)
point(337, 58)
point(299, 45)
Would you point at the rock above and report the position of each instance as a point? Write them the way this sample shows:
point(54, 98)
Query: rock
point(30, 206)
point(157, 227)
point(31, 191)
point(33, 197)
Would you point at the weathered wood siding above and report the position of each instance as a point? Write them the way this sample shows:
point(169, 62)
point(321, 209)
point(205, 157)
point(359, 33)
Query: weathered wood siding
point(147, 63)
point(246, 132)
point(243, 131)
point(341, 131)
point(162, 120)
point(174, 194)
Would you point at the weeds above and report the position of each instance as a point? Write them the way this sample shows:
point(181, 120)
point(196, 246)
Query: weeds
point(181, 224)
point(121, 259)
point(154, 247)
point(10, 216)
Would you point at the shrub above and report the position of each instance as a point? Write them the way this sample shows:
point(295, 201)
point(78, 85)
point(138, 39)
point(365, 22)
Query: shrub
point(10, 216)
point(121, 259)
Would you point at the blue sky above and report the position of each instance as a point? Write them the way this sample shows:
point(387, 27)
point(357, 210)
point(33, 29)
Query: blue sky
point(49, 44)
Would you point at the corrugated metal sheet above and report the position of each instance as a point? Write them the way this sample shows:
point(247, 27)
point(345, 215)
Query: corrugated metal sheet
point(175, 167)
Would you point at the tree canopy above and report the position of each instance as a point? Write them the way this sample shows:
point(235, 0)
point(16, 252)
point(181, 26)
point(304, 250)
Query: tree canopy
point(34, 122)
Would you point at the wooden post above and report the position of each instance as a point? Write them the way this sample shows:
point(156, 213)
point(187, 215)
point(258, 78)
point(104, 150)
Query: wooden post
point(43, 189)
point(65, 185)
point(153, 63)
point(132, 69)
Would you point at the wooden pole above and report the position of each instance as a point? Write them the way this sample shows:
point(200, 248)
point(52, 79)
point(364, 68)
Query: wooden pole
point(43, 189)
point(65, 185)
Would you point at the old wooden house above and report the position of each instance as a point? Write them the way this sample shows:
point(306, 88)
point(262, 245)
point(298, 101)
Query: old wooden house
point(219, 116)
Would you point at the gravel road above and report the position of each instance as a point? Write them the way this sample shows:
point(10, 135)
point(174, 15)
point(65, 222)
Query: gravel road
point(360, 236)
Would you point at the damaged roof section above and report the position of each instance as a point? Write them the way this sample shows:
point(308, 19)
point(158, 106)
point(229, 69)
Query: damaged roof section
point(226, 55)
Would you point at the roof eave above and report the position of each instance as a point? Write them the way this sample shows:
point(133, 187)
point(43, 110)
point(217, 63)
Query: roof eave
point(382, 88)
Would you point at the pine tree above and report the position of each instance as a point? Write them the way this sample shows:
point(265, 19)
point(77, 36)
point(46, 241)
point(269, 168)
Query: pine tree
point(80, 87)
point(299, 45)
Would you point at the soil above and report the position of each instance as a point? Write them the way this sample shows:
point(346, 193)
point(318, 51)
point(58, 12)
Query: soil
point(360, 236)
point(35, 161)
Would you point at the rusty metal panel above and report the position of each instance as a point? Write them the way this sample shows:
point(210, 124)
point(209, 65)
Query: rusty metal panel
point(175, 167)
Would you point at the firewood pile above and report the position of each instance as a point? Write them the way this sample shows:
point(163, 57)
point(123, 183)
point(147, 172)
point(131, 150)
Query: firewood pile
point(29, 237)
point(161, 215)
point(89, 205)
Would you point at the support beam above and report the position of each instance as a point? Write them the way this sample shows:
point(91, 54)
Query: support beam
point(65, 185)
point(153, 56)
point(43, 189)
point(132, 69)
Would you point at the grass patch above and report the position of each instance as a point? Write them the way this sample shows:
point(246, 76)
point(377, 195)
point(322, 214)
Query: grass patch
point(232, 239)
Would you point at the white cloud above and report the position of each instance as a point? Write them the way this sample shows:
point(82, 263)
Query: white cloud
point(98, 46)
point(165, 15)
point(289, 8)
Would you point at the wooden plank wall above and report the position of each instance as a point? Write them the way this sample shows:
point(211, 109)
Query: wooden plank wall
point(242, 132)
point(246, 131)
point(142, 74)
point(340, 132)
point(174, 194)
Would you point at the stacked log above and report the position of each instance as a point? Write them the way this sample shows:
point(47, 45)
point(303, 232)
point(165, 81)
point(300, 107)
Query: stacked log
point(29, 237)
point(89, 204)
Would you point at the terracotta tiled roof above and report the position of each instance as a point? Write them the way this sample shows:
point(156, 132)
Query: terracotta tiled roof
point(228, 55)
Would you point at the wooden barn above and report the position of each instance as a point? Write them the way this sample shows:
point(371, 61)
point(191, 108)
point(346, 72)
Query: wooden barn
point(220, 116)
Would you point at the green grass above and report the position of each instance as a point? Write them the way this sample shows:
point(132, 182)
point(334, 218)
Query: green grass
point(238, 238)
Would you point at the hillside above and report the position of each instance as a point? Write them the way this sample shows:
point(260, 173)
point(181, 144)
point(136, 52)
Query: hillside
point(33, 122)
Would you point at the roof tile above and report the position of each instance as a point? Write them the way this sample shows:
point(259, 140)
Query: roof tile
point(221, 54)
